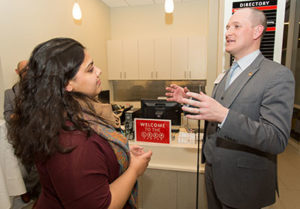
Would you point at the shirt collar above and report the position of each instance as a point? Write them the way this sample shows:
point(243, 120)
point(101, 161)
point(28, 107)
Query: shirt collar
point(248, 59)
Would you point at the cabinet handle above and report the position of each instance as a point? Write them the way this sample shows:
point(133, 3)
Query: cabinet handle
point(121, 75)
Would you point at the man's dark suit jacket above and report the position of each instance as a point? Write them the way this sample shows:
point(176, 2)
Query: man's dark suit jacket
point(9, 101)
point(257, 128)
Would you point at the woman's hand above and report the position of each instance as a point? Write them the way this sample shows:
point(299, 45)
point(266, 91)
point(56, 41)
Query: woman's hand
point(136, 150)
point(139, 160)
point(121, 188)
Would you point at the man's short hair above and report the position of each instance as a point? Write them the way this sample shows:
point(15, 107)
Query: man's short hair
point(258, 17)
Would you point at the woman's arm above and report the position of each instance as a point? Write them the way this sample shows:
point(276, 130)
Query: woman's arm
point(121, 188)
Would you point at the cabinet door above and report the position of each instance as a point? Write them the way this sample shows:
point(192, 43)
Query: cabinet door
point(179, 58)
point(146, 59)
point(165, 189)
point(159, 189)
point(162, 58)
point(130, 60)
point(197, 58)
point(114, 56)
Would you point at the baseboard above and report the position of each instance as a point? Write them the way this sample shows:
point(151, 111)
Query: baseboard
point(294, 143)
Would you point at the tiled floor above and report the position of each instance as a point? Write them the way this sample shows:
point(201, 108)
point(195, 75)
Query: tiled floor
point(18, 204)
point(289, 178)
point(288, 174)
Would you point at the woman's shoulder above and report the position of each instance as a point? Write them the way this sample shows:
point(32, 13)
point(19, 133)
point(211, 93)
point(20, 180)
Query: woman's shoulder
point(92, 148)
point(69, 129)
point(77, 137)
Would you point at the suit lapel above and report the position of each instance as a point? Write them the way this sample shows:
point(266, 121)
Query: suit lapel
point(219, 85)
point(238, 84)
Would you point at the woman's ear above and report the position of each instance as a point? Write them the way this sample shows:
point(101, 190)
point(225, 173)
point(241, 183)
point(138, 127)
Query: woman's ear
point(69, 87)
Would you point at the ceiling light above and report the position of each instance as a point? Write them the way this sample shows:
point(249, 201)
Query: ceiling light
point(76, 11)
point(169, 6)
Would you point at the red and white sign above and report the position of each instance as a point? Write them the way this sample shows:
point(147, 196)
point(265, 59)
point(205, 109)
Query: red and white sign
point(153, 130)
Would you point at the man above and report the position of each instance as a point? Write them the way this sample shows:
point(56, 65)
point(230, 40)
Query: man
point(10, 94)
point(29, 173)
point(248, 119)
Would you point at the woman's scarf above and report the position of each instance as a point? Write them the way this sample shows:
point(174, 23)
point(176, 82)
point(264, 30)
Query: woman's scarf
point(104, 123)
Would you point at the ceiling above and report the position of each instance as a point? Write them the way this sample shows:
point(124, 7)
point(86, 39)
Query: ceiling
point(131, 3)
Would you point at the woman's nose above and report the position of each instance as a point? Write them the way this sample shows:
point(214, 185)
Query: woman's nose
point(98, 71)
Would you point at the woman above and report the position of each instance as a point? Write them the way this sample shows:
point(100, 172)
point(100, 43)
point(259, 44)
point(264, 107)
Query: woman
point(82, 159)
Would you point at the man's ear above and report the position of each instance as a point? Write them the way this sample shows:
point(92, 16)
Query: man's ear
point(259, 29)
point(69, 87)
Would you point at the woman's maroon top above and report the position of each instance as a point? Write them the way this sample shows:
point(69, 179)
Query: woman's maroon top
point(79, 179)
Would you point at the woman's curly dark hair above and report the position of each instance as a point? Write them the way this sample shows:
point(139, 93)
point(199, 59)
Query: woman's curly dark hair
point(43, 105)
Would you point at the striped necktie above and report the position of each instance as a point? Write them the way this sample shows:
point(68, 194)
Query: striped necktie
point(230, 74)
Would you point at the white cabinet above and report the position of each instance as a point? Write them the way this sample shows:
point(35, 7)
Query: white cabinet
point(189, 58)
point(122, 60)
point(197, 57)
point(114, 62)
point(165, 189)
point(146, 59)
point(155, 59)
point(180, 58)
point(162, 58)
point(130, 59)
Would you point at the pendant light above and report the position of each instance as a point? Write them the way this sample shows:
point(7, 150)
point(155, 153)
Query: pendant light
point(169, 6)
point(76, 12)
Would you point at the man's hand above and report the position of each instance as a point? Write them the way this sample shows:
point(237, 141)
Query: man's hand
point(207, 108)
point(176, 93)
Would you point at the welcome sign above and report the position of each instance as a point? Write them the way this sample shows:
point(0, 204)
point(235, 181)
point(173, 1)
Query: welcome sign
point(152, 130)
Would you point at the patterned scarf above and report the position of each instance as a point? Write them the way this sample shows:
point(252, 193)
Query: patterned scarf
point(105, 124)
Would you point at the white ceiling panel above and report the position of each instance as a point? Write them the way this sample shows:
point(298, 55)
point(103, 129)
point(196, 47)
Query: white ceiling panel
point(126, 3)
point(115, 3)
point(140, 2)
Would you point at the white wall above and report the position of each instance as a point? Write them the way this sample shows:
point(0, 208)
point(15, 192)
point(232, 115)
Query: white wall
point(189, 18)
point(193, 18)
point(1, 89)
point(24, 24)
